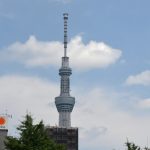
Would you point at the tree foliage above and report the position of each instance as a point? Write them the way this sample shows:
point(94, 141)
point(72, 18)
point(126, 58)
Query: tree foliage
point(32, 137)
point(132, 146)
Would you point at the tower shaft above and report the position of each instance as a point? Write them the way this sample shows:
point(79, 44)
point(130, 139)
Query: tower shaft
point(65, 102)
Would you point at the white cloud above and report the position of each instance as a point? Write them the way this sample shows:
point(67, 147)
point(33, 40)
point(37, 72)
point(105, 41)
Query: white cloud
point(144, 104)
point(82, 56)
point(96, 113)
point(19, 94)
point(107, 123)
point(142, 79)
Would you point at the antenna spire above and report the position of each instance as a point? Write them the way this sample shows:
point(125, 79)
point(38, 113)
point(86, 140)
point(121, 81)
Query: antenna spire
point(65, 33)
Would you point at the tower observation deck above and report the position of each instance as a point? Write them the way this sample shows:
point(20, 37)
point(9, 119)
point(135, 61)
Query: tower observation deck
point(64, 102)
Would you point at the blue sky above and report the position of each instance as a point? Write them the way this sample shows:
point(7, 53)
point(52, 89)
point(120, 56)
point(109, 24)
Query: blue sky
point(109, 54)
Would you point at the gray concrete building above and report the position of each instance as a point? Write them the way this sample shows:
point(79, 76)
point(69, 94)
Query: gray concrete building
point(65, 136)
point(3, 134)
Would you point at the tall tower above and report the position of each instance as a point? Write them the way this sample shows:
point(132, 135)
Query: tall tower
point(65, 102)
point(64, 133)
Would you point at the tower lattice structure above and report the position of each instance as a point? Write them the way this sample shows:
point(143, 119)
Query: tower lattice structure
point(64, 102)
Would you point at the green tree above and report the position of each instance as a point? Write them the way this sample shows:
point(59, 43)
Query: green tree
point(132, 146)
point(32, 137)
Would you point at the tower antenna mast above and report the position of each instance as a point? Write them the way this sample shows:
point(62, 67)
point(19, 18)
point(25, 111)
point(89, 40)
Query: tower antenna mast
point(65, 33)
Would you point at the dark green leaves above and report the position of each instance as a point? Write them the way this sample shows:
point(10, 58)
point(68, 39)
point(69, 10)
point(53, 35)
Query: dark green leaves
point(32, 137)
